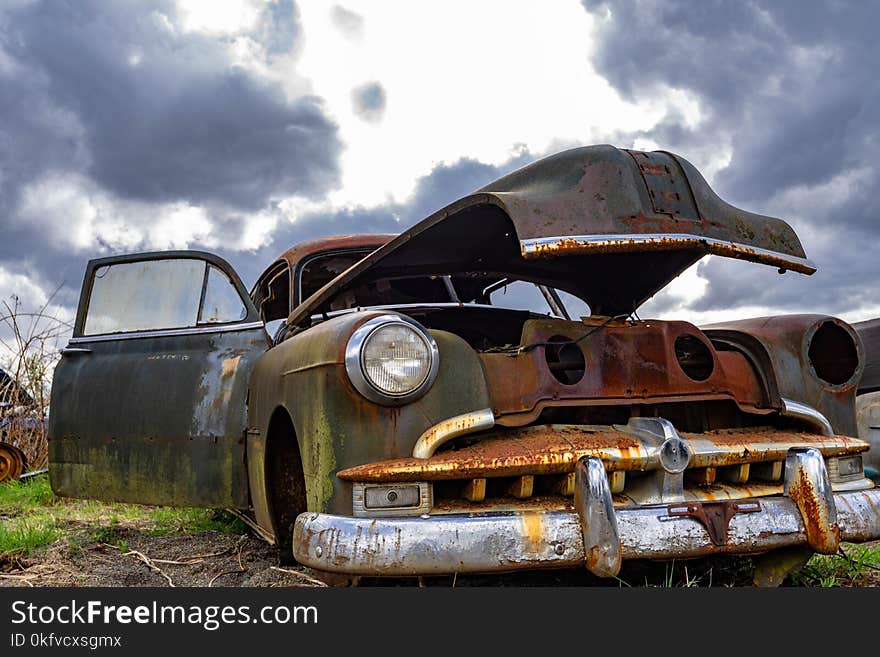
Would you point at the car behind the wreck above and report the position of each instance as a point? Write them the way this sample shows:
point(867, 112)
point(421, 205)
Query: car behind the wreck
point(417, 412)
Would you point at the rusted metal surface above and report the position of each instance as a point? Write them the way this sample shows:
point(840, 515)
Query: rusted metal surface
point(554, 449)
point(779, 348)
point(610, 244)
point(581, 195)
point(522, 487)
point(549, 539)
point(806, 483)
point(666, 184)
point(303, 250)
point(562, 499)
point(12, 462)
point(474, 490)
point(627, 362)
point(714, 516)
point(535, 450)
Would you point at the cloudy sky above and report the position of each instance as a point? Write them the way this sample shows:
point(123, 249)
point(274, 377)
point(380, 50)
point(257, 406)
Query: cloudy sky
point(244, 126)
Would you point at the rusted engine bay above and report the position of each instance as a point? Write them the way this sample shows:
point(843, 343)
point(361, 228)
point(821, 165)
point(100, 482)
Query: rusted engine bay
point(600, 363)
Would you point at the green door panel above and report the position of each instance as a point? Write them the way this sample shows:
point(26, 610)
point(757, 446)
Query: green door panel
point(155, 416)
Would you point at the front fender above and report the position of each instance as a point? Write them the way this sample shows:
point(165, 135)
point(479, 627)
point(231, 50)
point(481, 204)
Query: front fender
point(336, 427)
point(779, 350)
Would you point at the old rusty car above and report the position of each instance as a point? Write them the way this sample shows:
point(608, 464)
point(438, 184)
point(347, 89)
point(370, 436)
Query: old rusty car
point(477, 394)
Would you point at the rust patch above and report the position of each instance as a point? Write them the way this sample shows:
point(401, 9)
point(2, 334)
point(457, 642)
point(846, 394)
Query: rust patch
point(548, 449)
point(533, 530)
point(714, 516)
point(814, 515)
point(229, 367)
point(628, 362)
point(554, 449)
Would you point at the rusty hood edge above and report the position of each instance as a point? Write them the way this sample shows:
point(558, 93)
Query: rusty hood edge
point(601, 199)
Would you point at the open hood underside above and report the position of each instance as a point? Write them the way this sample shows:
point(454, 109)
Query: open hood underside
point(611, 226)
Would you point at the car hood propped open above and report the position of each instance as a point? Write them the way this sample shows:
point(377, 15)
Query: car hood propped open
point(611, 226)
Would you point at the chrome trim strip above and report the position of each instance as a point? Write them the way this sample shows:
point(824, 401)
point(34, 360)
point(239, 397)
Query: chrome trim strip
point(444, 431)
point(808, 414)
point(354, 365)
point(493, 542)
point(196, 330)
point(530, 247)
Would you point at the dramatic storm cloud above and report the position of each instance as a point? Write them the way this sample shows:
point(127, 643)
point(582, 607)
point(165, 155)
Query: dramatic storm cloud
point(788, 93)
point(161, 114)
point(245, 126)
point(122, 129)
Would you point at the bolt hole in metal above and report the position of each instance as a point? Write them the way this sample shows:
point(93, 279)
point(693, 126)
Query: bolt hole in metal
point(833, 354)
point(565, 360)
point(694, 357)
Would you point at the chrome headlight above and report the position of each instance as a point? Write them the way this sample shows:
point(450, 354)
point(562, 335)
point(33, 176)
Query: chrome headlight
point(391, 359)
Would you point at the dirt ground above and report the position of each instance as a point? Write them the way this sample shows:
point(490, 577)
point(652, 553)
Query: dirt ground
point(206, 558)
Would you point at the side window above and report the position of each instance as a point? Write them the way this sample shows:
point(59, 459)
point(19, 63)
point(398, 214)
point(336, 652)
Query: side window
point(222, 303)
point(271, 296)
point(146, 295)
point(151, 295)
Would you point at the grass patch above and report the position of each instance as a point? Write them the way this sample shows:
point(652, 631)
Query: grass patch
point(168, 520)
point(849, 569)
point(22, 496)
point(25, 524)
point(23, 538)
point(31, 517)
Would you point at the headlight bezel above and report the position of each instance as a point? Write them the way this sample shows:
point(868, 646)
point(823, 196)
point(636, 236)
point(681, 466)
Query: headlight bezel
point(354, 365)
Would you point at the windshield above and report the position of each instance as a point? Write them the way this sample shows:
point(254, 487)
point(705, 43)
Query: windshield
point(478, 288)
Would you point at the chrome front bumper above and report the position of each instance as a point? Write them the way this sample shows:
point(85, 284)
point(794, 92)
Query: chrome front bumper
point(596, 535)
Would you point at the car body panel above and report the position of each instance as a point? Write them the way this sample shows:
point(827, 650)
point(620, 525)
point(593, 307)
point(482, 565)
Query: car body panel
point(155, 416)
point(335, 426)
point(779, 347)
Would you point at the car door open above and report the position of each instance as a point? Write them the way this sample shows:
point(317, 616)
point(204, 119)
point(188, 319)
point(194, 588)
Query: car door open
point(149, 399)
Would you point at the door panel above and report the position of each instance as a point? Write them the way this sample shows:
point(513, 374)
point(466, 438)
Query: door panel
point(152, 409)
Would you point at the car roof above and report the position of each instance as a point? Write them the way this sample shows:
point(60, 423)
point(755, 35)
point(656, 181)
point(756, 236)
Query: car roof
point(308, 248)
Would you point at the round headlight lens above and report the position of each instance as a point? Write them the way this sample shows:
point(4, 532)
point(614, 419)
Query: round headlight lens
point(396, 359)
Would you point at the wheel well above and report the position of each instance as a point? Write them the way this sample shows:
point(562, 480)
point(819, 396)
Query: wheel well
point(285, 482)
